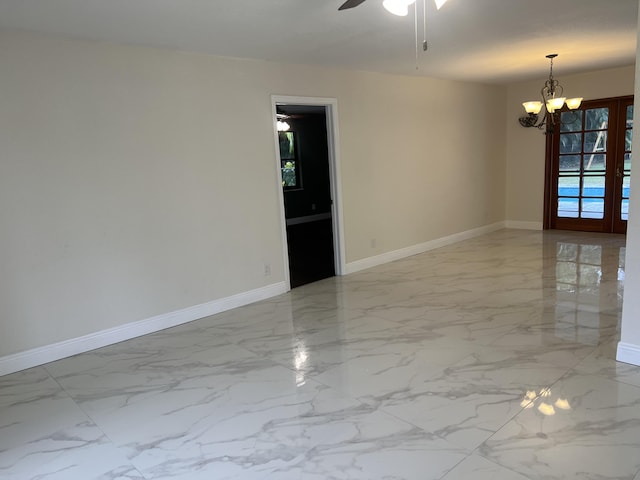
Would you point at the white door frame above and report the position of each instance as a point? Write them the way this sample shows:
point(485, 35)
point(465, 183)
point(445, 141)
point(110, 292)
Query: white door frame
point(331, 108)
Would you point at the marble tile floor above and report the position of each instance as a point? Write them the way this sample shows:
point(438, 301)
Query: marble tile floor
point(489, 359)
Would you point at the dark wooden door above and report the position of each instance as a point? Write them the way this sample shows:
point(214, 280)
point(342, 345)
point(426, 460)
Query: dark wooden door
point(589, 166)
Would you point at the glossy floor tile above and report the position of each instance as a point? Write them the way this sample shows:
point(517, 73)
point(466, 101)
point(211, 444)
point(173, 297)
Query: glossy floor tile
point(493, 358)
point(581, 427)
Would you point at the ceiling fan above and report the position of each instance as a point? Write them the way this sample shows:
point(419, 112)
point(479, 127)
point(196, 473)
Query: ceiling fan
point(350, 4)
point(401, 8)
point(398, 3)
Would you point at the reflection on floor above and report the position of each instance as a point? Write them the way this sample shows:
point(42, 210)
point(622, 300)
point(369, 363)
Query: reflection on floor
point(489, 359)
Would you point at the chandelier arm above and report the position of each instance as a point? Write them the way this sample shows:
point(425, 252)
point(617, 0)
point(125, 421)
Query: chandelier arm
point(533, 120)
point(544, 122)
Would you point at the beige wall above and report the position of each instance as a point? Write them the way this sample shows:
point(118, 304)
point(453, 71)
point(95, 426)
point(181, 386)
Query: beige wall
point(525, 146)
point(418, 164)
point(136, 182)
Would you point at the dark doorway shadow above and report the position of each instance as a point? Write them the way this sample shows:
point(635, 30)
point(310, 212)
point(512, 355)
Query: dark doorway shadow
point(304, 155)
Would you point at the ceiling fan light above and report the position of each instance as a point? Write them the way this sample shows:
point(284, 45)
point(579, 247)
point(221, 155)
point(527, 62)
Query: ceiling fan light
point(574, 103)
point(440, 3)
point(532, 107)
point(398, 7)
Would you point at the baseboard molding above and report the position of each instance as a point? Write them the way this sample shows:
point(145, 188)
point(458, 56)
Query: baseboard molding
point(370, 262)
point(628, 353)
point(40, 356)
point(523, 225)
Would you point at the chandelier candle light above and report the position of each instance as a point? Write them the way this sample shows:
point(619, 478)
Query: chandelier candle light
point(552, 101)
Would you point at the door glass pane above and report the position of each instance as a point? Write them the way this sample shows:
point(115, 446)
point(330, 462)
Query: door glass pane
point(597, 119)
point(626, 180)
point(571, 121)
point(593, 187)
point(568, 207)
point(568, 186)
point(592, 208)
point(570, 163)
point(624, 210)
point(595, 142)
point(594, 164)
point(570, 143)
point(626, 183)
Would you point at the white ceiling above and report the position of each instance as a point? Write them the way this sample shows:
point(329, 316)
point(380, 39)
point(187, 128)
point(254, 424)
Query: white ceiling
point(491, 41)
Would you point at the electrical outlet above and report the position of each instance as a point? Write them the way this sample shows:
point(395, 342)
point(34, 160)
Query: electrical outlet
point(267, 269)
point(373, 243)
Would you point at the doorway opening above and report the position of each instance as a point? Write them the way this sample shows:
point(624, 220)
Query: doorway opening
point(589, 167)
point(309, 193)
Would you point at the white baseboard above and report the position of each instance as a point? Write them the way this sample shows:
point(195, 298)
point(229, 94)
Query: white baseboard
point(40, 356)
point(370, 262)
point(523, 225)
point(628, 353)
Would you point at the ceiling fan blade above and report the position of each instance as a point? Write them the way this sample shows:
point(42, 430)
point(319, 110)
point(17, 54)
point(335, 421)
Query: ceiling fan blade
point(350, 4)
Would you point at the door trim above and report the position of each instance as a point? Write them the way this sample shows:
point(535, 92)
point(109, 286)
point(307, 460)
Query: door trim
point(333, 147)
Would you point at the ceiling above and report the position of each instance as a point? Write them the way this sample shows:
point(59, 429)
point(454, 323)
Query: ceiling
point(489, 41)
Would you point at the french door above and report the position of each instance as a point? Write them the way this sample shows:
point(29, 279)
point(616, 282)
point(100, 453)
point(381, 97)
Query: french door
point(589, 167)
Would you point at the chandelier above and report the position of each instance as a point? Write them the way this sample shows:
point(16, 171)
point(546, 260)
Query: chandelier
point(552, 102)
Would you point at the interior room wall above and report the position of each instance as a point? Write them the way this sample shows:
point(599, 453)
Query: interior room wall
point(424, 159)
point(629, 346)
point(526, 146)
point(135, 182)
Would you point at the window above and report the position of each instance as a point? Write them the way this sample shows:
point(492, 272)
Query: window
point(288, 160)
